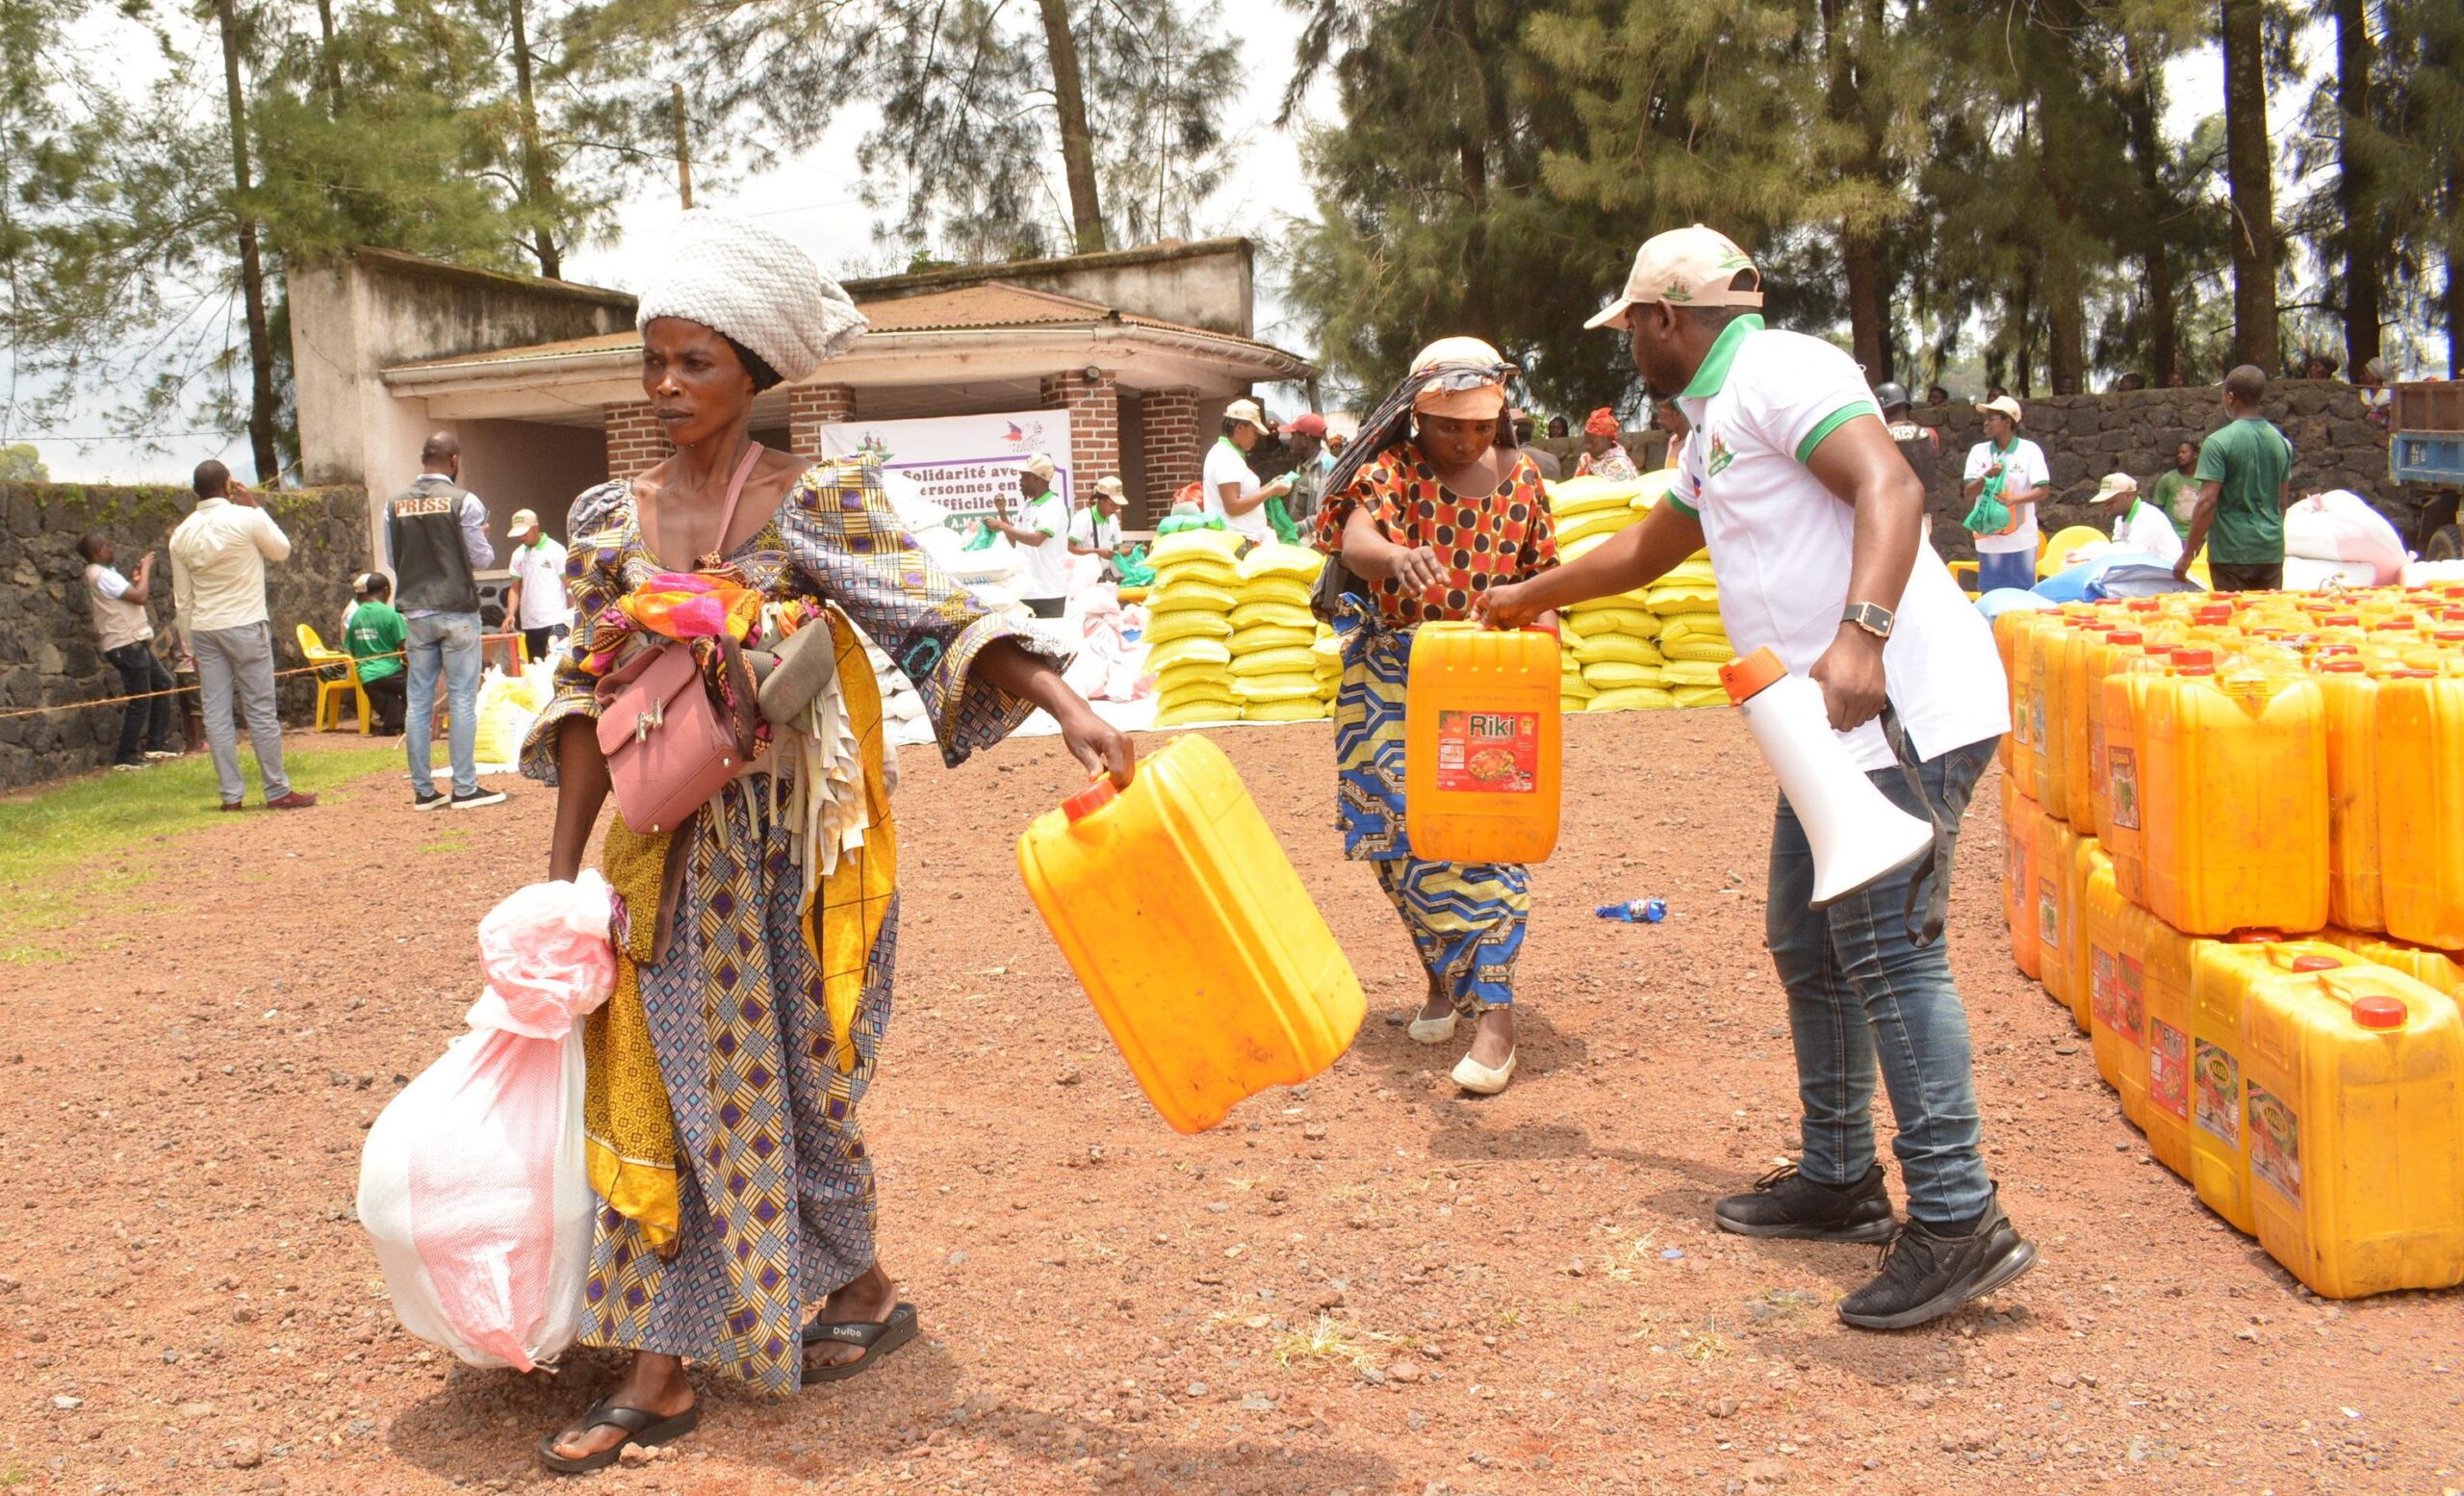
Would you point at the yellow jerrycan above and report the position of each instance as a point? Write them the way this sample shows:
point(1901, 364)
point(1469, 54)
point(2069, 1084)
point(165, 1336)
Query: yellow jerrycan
point(2057, 849)
point(2351, 699)
point(1203, 954)
point(2356, 1122)
point(2170, 958)
point(2234, 801)
point(1480, 750)
point(2087, 860)
point(2421, 806)
point(2437, 969)
point(2050, 675)
point(2010, 634)
point(2115, 932)
point(2111, 650)
point(2225, 977)
point(2020, 817)
point(2123, 814)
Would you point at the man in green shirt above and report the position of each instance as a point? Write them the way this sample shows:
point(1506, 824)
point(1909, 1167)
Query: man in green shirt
point(375, 639)
point(2177, 491)
point(2242, 473)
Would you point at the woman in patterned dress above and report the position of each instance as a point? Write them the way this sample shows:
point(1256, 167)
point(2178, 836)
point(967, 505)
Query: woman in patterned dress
point(1427, 512)
point(735, 1186)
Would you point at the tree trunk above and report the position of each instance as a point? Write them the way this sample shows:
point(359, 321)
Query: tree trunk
point(2455, 271)
point(330, 67)
point(1471, 166)
point(2023, 369)
point(1859, 256)
point(2141, 104)
point(2247, 165)
point(2365, 251)
point(252, 272)
point(535, 188)
point(1077, 139)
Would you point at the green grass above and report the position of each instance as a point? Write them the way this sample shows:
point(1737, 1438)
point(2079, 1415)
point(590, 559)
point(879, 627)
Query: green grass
point(71, 851)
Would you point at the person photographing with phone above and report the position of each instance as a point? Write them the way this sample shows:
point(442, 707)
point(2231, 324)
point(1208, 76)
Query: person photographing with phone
point(1814, 524)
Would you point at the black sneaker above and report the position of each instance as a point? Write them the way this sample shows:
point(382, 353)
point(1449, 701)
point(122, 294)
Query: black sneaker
point(1926, 1275)
point(430, 801)
point(478, 798)
point(1784, 1203)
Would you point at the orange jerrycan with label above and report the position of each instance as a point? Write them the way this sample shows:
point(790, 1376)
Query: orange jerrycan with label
point(2020, 817)
point(1481, 744)
point(2011, 640)
point(2049, 668)
point(2226, 978)
point(2057, 917)
point(2421, 808)
point(2351, 698)
point(2115, 932)
point(2170, 958)
point(1185, 922)
point(2087, 860)
point(2112, 649)
point(2356, 1122)
point(2234, 800)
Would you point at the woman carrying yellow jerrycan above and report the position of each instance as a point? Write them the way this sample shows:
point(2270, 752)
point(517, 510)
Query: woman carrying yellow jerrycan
point(1424, 513)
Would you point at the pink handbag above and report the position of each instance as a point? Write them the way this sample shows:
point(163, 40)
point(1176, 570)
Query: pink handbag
point(668, 744)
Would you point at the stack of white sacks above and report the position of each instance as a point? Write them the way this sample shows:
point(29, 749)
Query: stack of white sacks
point(1275, 668)
point(1655, 646)
point(1190, 627)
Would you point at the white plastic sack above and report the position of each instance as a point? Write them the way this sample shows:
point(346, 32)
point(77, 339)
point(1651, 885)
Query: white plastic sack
point(2340, 526)
point(2301, 574)
point(472, 1186)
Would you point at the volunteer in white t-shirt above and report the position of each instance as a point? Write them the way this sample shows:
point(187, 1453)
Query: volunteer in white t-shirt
point(1815, 529)
point(1096, 529)
point(1227, 485)
point(536, 602)
point(1041, 533)
point(2142, 527)
point(2009, 469)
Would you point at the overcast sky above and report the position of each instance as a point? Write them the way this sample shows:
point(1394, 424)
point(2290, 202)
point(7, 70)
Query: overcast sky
point(814, 198)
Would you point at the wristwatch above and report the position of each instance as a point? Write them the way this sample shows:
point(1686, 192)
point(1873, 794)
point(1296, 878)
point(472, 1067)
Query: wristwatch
point(1872, 617)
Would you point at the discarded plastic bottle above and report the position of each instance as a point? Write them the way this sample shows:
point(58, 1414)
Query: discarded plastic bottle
point(1640, 910)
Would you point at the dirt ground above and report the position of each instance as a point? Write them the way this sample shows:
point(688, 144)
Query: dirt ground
point(1365, 1284)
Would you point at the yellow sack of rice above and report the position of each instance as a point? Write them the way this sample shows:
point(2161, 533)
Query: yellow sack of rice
point(1289, 615)
point(1275, 661)
point(1186, 597)
point(1275, 559)
point(1218, 545)
point(1590, 495)
point(1195, 681)
point(1690, 672)
point(1197, 623)
point(1580, 549)
point(1273, 589)
point(1702, 696)
point(1705, 648)
point(1266, 636)
point(1298, 708)
point(1694, 568)
point(1590, 618)
point(1600, 523)
point(1329, 649)
point(1683, 597)
point(1654, 486)
point(1190, 713)
point(1611, 674)
point(1617, 646)
point(1632, 698)
point(1693, 626)
point(1258, 690)
point(1193, 649)
point(1572, 684)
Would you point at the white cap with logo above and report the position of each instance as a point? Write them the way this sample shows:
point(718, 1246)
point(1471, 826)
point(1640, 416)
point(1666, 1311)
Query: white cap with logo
point(1685, 267)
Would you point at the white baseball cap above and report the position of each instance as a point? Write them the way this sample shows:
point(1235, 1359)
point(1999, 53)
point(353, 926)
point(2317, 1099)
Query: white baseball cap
point(523, 519)
point(2001, 405)
point(1248, 411)
point(1685, 267)
point(1039, 465)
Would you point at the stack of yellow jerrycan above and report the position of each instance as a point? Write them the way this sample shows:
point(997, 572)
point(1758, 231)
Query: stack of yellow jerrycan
point(2235, 853)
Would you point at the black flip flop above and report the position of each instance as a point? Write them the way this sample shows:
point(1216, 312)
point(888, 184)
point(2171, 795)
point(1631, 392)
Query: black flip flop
point(877, 1338)
point(641, 1426)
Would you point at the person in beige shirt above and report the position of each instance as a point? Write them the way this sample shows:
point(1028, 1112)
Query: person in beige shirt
point(219, 559)
point(125, 634)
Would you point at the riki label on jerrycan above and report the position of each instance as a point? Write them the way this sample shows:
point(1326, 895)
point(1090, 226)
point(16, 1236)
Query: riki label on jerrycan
point(1481, 744)
point(1203, 954)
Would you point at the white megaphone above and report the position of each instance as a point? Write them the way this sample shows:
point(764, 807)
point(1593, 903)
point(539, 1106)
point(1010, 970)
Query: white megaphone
point(1858, 837)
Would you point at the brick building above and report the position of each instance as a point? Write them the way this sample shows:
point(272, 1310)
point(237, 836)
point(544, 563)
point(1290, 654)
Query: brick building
point(539, 379)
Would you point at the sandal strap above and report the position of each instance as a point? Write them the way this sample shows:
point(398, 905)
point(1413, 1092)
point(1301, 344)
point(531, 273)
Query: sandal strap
point(852, 1333)
point(632, 1420)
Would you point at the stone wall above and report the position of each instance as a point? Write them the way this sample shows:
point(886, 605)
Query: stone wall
point(2087, 436)
point(47, 650)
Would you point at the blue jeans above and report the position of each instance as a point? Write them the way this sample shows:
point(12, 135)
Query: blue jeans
point(2005, 569)
point(447, 642)
point(1860, 993)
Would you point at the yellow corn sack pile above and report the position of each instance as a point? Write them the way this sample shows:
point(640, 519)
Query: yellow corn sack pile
point(1274, 665)
point(1189, 627)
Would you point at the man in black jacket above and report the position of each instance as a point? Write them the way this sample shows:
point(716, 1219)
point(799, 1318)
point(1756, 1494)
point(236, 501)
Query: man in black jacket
point(436, 538)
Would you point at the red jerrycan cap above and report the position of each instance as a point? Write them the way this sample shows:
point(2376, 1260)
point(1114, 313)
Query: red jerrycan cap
point(1745, 678)
point(1088, 801)
point(2339, 664)
point(2125, 637)
point(2379, 1012)
point(2212, 613)
point(2315, 962)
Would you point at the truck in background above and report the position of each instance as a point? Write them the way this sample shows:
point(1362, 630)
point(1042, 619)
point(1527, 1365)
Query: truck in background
point(2425, 450)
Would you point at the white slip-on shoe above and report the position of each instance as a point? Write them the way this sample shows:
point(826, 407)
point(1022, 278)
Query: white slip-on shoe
point(1432, 1031)
point(1481, 1080)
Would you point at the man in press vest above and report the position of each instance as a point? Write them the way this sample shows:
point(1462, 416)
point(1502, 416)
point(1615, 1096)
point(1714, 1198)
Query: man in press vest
point(1814, 523)
point(436, 540)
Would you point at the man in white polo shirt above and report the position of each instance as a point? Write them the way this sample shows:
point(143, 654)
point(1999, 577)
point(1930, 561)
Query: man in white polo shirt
point(1042, 534)
point(1815, 524)
point(1227, 484)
